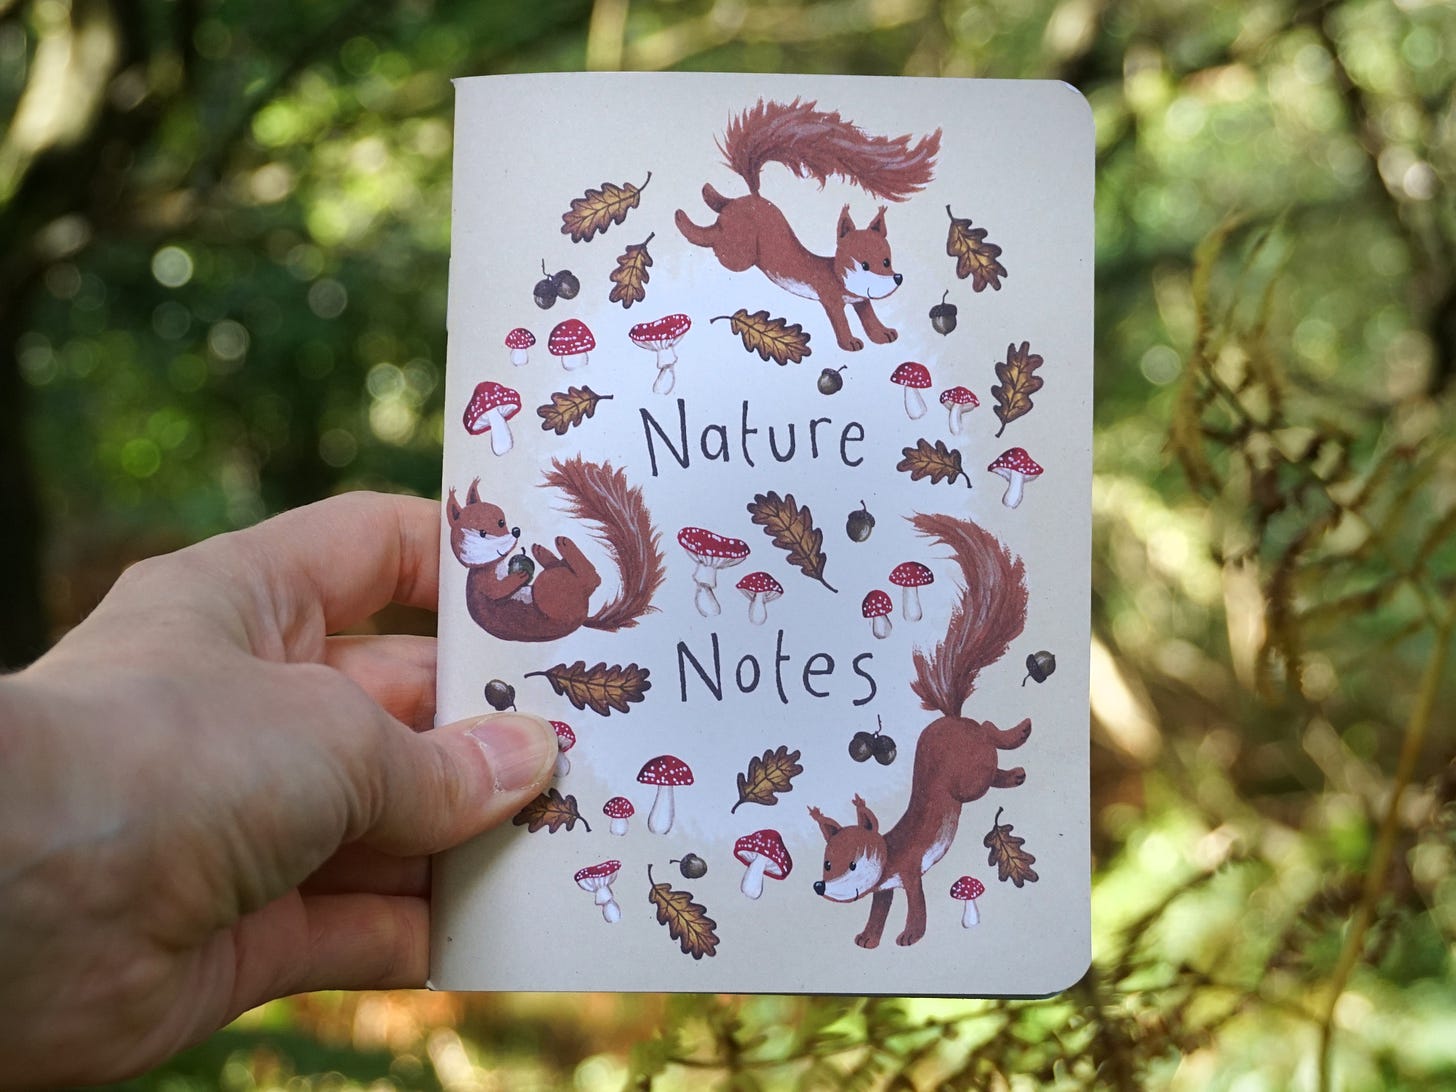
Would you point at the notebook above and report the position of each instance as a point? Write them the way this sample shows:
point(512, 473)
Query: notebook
point(767, 471)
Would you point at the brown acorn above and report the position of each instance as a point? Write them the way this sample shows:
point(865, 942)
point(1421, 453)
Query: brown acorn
point(943, 315)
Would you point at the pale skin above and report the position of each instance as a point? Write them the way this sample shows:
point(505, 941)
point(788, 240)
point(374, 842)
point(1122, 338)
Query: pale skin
point(207, 801)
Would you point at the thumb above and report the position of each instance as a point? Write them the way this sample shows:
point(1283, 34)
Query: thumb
point(460, 779)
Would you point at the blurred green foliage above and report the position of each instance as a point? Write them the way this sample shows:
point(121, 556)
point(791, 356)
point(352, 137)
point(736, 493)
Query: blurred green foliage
point(223, 294)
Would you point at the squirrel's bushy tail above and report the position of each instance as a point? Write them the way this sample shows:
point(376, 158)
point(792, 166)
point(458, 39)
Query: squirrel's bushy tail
point(597, 492)
point(819, 145)
point(990, 615)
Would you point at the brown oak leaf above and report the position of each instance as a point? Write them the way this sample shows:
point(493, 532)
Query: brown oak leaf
point(552, 811)
point(974, 256)
point(1012, 862)
point(600, 688)
point(933, 462)
point(768, 776)
point(631, 276)
point(597, 210)
point(687, 921)
point(1019, 382)
point(769, 337)
point(568, 408)
point(792, 529)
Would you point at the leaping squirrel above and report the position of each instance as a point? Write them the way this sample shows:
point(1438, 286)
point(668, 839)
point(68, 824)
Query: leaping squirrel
point(507, 604)
point(956, 758)
point(751, 231)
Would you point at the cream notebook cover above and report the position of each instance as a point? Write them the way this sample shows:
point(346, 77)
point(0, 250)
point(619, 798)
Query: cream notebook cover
point(767, 478)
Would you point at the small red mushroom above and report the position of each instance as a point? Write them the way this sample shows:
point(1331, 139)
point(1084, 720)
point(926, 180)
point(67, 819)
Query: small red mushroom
point(565, 741)
point(598, 879)
point(877, 607)
point(912, 576)
point(518, 341)
point(765, 854)
point(571, 342)
point(710, 552)
point(914, 378)
point(968, 889)
point(959, 401)
point(491, 406)
point(665, 772)
point(619, 809)
point(760, 589)
point(1018, 468)
point(661, 336)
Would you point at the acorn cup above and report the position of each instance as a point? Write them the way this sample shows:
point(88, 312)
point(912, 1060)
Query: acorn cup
point(943, 315)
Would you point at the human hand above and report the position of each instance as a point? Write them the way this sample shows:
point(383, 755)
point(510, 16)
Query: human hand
point(207, 801)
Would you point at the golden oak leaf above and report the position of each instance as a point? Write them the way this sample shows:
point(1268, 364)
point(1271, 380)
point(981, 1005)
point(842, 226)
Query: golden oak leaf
point(1019, 382)
point(597, 210)
point(1012, 862)
point(600, 688)
point(687, 921)
point(933, 462)
point(768, 776)
point(792, 529)
point(550, 810)
point(974, 256)
point(569, 408)
point(631, 276)
point(769, 337)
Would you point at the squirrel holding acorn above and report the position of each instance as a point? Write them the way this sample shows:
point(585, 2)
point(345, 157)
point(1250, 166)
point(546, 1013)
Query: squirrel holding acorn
point(500, 592)
point(752, 231)
point(957, 758)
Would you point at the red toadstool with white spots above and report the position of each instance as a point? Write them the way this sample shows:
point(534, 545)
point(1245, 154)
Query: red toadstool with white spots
point(665, 773)
point(912, 576)
point(710, 552)
point(598, 879)
point(760, 589)
point(1018, 468)
point(571, 342)
point(618, 809)
point(661, 336)
point(765, 854)
point(914, 378)
point(565, 741)
point(518, 341)
point(491, 406)
point(876, 607)
point(959, 401)
point(968, 889)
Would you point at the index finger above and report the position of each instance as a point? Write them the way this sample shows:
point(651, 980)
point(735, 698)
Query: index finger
point(327, 566)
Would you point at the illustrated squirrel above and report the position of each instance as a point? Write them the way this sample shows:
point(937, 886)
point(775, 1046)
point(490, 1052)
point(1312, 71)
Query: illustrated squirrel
point(507, 604)
point(956, 758)
point(751, 231)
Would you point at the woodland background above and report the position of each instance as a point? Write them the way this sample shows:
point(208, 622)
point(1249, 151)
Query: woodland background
point(222, 290)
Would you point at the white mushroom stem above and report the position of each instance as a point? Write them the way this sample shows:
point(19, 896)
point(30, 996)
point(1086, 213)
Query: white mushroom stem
point(659, 819)
point(500, 431)
point(880, 627)
point(914, 404)
point(611, 912)
point(752, 884)
point(970, 915)
point(563, 765)
point(575, 360)
point(519, 357)
point(705, 575)
point(706, 602)
point(757, 608)
point(619, 826)
point(666, 377)
point(1016, 482)
point(662, 347)
point(911, 600)
point(956, 412)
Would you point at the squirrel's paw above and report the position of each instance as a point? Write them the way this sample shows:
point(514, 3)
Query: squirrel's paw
point(868, 939)
point(910, 936)
point(851, 344)
point(884, 336)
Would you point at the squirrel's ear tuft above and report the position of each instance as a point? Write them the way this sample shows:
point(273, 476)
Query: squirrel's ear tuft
point(846, 223)
point(452, 508)
point(877, 225)
point(472, 495)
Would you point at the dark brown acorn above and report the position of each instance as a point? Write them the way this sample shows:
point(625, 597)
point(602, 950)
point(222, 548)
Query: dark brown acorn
point(546, 290)
point(520, 563)
point(567, 286)
point(859, 524)
point(943, 315)
point(500, 695)
point(862, 746)
point(1039, 665)
point(830, 381)
point(691, 866)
